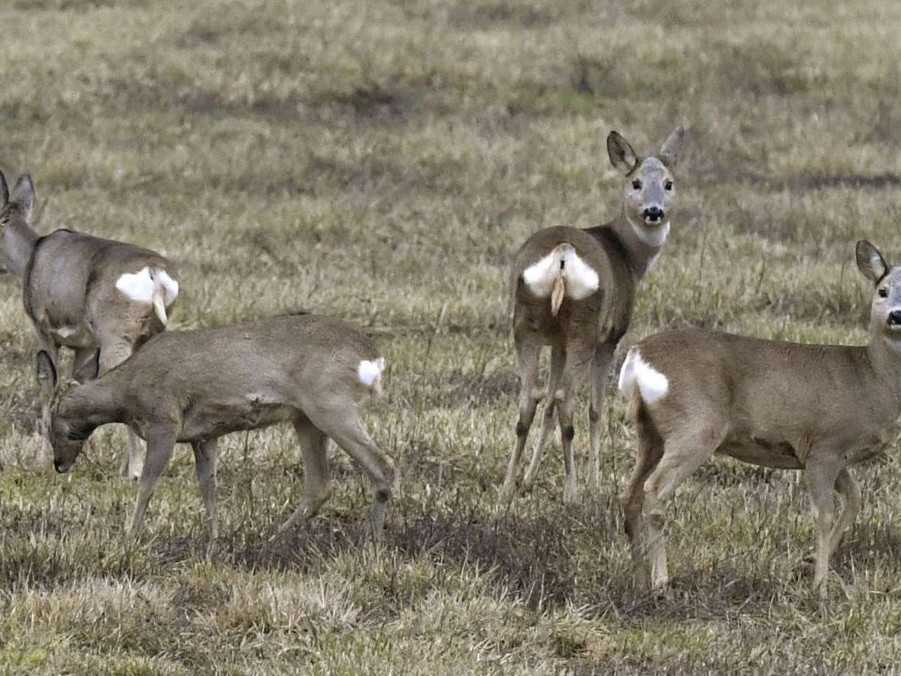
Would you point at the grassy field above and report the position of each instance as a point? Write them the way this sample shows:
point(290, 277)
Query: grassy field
point(381, 161)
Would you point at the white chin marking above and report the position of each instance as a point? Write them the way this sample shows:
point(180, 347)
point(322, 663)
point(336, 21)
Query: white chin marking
point(652, 384)
point(370, 372)
point(655, 237)
point(139, 286)
point(65, 331)
point(580, 278)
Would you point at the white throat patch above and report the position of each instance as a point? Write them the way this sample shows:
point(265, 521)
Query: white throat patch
point(655, 238)
point(580, 278)
point(652, 384)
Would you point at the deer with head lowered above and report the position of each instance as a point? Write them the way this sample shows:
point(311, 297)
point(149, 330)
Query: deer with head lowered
point(195, 386)
point(98, 297)
point(574, 289)
point(814, 408)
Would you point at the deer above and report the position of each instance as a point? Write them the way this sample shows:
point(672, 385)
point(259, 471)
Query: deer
point(100, 298)
point(574, 290)
point(196, 386)
point(817, 409)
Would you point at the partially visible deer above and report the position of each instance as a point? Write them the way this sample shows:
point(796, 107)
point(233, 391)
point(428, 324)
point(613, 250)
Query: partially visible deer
point(100, 298)
point(195, 386)
point(574, 290)
point(815, 408)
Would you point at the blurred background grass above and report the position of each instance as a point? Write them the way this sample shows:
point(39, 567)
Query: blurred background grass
point(381, 161)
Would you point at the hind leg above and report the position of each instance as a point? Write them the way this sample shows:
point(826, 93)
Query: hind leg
point(550, 407)
point(316, 481)
point(683, 452)
point(650, 450)
point(577, 362)
point(600, 366)
point(342, 423)
point(528, 351)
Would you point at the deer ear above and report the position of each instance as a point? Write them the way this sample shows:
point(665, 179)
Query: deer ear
point(4, 190)
point(23, 195)
point(870, 261)
point(46, 370)
point(622, 156)
point(669, 151)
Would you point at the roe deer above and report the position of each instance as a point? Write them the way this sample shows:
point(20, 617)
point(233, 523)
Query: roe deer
point(195, 386)
point(574, 290)
point(98, 297)
point(816, 408)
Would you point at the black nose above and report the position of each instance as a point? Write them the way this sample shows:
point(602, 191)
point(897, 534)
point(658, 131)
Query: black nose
point(57, 466)
point(894, 318)
point(653, 214)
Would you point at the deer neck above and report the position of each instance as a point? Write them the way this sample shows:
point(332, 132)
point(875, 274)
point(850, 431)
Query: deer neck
point(91, 405)
point(18, 245)
point(885, 360)
point(641, 250)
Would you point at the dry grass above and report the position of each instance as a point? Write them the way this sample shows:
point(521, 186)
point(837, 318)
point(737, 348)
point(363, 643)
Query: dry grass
point(380, 161)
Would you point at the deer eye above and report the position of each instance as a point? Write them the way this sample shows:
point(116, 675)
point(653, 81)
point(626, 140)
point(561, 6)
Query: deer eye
point(668, 185)
point(883, 292)
point(636, 184)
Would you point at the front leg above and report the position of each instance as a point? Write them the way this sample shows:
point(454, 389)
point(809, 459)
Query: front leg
point(160, 443)
point(821, 473)
point(46, 387)
point(114, 351)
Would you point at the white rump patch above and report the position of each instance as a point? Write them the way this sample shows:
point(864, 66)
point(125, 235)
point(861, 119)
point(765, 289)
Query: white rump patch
point(370, 372)
point(170, 286)
point(139, 286)
point(65, 331)
point(580, 278)
point(652, 384)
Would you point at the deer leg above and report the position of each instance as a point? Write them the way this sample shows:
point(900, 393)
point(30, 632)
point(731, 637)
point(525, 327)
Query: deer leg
point(847, 488)
point(205, 458)
point(112, 354)
point(600, 365)
point(161, 442)
point(46, 387)
point(573, 370)
point(346, 428)
point(683, 453)
point(316, 482)
point(528, 351)
point(558, 358)
point(86, 364)
point(650, 450)
point(821, 478)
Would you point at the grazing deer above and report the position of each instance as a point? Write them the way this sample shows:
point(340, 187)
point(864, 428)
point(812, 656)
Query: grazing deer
point(98, 297)
point(574, 290)
point(816, 408)
point(195, 386)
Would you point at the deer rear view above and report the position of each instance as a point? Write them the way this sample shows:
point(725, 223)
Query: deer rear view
point(98, 297)
point(574, 290)
point(195, 386)
point(814, 408)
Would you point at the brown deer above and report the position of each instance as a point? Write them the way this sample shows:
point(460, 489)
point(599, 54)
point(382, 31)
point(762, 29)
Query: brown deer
point(816, 408)
point(574, 289)
point(98, 297)
point(195, 386)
